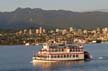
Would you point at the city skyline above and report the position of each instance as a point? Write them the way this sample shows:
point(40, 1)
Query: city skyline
point(73, 5)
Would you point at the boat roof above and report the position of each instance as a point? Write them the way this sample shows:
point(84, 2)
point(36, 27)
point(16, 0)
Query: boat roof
point(64, 45)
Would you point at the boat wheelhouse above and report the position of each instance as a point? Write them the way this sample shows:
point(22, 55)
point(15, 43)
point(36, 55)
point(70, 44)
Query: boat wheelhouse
point(59, 52)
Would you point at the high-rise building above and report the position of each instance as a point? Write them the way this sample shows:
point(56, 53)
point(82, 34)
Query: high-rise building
point(57, 30)
point(25, 31)
point(40, 30)
point(37, 31)
point(71, 29)
point(30, 32)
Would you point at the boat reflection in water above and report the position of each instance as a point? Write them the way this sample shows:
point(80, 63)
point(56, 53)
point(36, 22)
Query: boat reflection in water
point(58, 63)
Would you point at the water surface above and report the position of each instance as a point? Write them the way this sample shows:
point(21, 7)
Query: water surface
point(17, 58)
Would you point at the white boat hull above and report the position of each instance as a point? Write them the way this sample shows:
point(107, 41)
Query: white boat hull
point(55, 60)
point(34, 61)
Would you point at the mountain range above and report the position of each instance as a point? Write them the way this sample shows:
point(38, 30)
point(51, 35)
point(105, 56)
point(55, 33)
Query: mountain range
point(23, 18)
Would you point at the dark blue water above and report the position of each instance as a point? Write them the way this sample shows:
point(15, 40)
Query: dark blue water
point(17, 58)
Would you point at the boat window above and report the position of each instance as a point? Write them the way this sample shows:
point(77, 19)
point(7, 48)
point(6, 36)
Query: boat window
point(61, 56)
point(73, 50)
point(52, 56)
point(55, 56)
point(78, 50)
point(58, 56)
point(64, 56)
point(77, 56)
point(53, 50)
point(73, 56)
point(50, 50)
point(56, 50)
point(70, 50)
point(81, 50)
point(61, 50)
point(68, 56)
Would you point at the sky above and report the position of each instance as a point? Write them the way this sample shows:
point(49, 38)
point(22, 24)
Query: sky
point(73, 5)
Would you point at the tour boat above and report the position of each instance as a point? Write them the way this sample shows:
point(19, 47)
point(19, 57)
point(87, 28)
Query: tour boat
point(55, 52)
